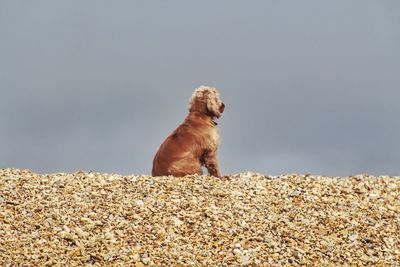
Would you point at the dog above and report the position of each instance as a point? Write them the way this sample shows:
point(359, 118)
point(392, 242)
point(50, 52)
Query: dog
point(195, 142)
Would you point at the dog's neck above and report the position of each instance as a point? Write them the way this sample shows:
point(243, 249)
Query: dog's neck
point(204, 117)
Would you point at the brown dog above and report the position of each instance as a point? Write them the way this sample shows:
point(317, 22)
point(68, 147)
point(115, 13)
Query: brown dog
point(195, 142)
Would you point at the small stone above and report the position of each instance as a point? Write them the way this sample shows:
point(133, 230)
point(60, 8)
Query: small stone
point(139, 203)
point(145, 258)
point(236, 251)
point(109, 257)
point(245, 260)
point(353, 236)
point(136, 257)
point(109, 235)
point(177, 221)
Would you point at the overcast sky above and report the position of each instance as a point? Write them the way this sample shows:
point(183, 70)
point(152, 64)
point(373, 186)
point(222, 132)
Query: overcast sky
point(309, 86)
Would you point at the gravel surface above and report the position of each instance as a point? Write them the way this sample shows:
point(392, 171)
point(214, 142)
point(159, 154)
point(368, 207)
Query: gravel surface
point(83, 218)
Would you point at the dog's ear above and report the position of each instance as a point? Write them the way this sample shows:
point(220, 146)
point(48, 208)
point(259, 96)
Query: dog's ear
point(198, 102)
point(214, 105)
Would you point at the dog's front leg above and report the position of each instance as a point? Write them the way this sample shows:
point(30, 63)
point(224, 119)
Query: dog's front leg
point(211, 163)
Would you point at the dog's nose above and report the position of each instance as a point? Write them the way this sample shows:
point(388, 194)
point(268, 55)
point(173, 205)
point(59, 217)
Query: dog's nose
point(222, 107)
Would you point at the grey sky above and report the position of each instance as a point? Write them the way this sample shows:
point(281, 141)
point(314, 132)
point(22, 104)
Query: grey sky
point(310, 86)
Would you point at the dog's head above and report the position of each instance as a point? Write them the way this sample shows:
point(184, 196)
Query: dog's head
point(206, 100)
